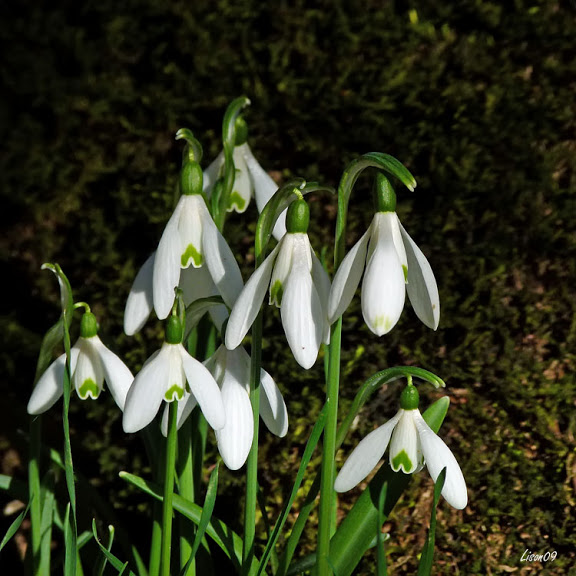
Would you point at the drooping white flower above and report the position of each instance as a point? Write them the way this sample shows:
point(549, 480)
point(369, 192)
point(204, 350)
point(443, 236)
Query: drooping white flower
point(251, 180)
point(392, 264)
point(299, 286)
point(167, 375)
point(91, 364)
point(192, 238)
point(231, 369)
point(195, 283)
point(412, 443)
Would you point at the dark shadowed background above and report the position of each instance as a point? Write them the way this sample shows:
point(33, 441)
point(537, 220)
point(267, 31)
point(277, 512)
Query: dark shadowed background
point(476, 98)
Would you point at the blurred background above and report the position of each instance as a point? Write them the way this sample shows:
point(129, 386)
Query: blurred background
point(476, 98)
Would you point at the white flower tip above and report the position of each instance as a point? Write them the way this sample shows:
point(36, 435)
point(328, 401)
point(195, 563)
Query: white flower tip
point(343, 484)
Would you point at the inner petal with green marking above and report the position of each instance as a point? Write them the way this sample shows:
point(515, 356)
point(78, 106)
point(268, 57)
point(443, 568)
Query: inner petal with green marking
point(191, 253)
point(276, 291)
point(401, 460)
point(236, 200)
point(175, 392)
point(89, 388)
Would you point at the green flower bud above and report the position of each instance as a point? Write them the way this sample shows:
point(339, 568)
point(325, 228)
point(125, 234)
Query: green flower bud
point(409, 398)
point(191, 178)
point(385, 195)
point(298, 217)
point(173, 330)
point(88, 325)
point(241, 131)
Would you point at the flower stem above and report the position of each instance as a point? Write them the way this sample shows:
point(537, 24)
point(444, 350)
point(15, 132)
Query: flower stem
point(186, 490)
point(325, 524)
point(34, 492)
point(252, 465)
point(171, 446)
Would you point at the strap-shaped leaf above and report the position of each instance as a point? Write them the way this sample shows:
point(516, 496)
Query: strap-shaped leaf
point(118, 564)
point(14, 527)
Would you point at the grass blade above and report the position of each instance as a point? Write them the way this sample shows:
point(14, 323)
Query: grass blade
point(14, 527)
point(115, 562)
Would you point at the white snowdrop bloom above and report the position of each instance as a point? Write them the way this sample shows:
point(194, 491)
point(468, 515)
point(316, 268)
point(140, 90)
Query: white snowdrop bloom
point(167, 375)
point(231, 369)
point(392, 264)
point(251, 180)
point(91, 364)
point(412, 443)
point(299, 286)
point(192, 238)
point(195, 283)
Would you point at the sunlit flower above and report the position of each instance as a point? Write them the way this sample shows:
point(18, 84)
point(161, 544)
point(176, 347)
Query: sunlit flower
point(394, 265)
point(195, 283)
point(167, 375)
point(231, 369)
point(251, 180)
point(91, 364)
point(192, 238)
point(412, 443)
point(299, 286)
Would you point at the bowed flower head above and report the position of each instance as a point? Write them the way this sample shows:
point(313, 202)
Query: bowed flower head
point(192, 238)
point(91, 364)
point(231, 370)
point(392, 264)
point(299, 286)
point(168, 375)
point(412, 443)
point(250, 179)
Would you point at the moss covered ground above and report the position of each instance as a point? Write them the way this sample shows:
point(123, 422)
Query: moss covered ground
point(475, 97)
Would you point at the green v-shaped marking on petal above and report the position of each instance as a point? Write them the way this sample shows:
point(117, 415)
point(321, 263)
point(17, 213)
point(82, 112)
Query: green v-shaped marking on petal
point(276, 292)
point(401, 460)
point(88, 388)
point(236, 200)
point(174, 391)
point(192, 254)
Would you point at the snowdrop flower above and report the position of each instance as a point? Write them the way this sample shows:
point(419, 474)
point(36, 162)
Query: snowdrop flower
point(231, 369)
point(412, 443)
point(195, 283)
point(250, 180)
point(392, 264)
point(192, 238)
point(91, 363)
point(164, 377)
point(299, 286)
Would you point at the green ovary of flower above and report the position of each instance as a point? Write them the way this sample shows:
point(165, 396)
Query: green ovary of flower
point(192, 254)
point(89, 388)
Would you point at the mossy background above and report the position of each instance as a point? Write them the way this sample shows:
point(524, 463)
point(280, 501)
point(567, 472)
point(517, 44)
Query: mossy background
point(476, 98)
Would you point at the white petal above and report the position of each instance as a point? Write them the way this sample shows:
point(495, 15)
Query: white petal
point(167, 265)
point(264, 189)
point(301, 311)
point(422, 288)
point(249, 301)
point(223, 267)
point(438, 456)
point(89, 372)
point(404, 445)
point(205, 390)
point(185, 407)
point(50, 386)
point(242, 188)
point(235, 438)
point(139, 303)
point(322, 283)
point(272, 407)
point(116, 373)
point(281, 269)
point(146, 393)
point(365, 456)
point(347, 278)
point(394, 224)
point(383, 287)
point(190, 228)
point(212, 173)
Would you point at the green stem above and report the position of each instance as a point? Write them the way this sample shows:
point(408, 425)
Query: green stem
point(328, 453)
point(186, 490)
point(34, 492)
point(171, 447)
point(252, 465)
